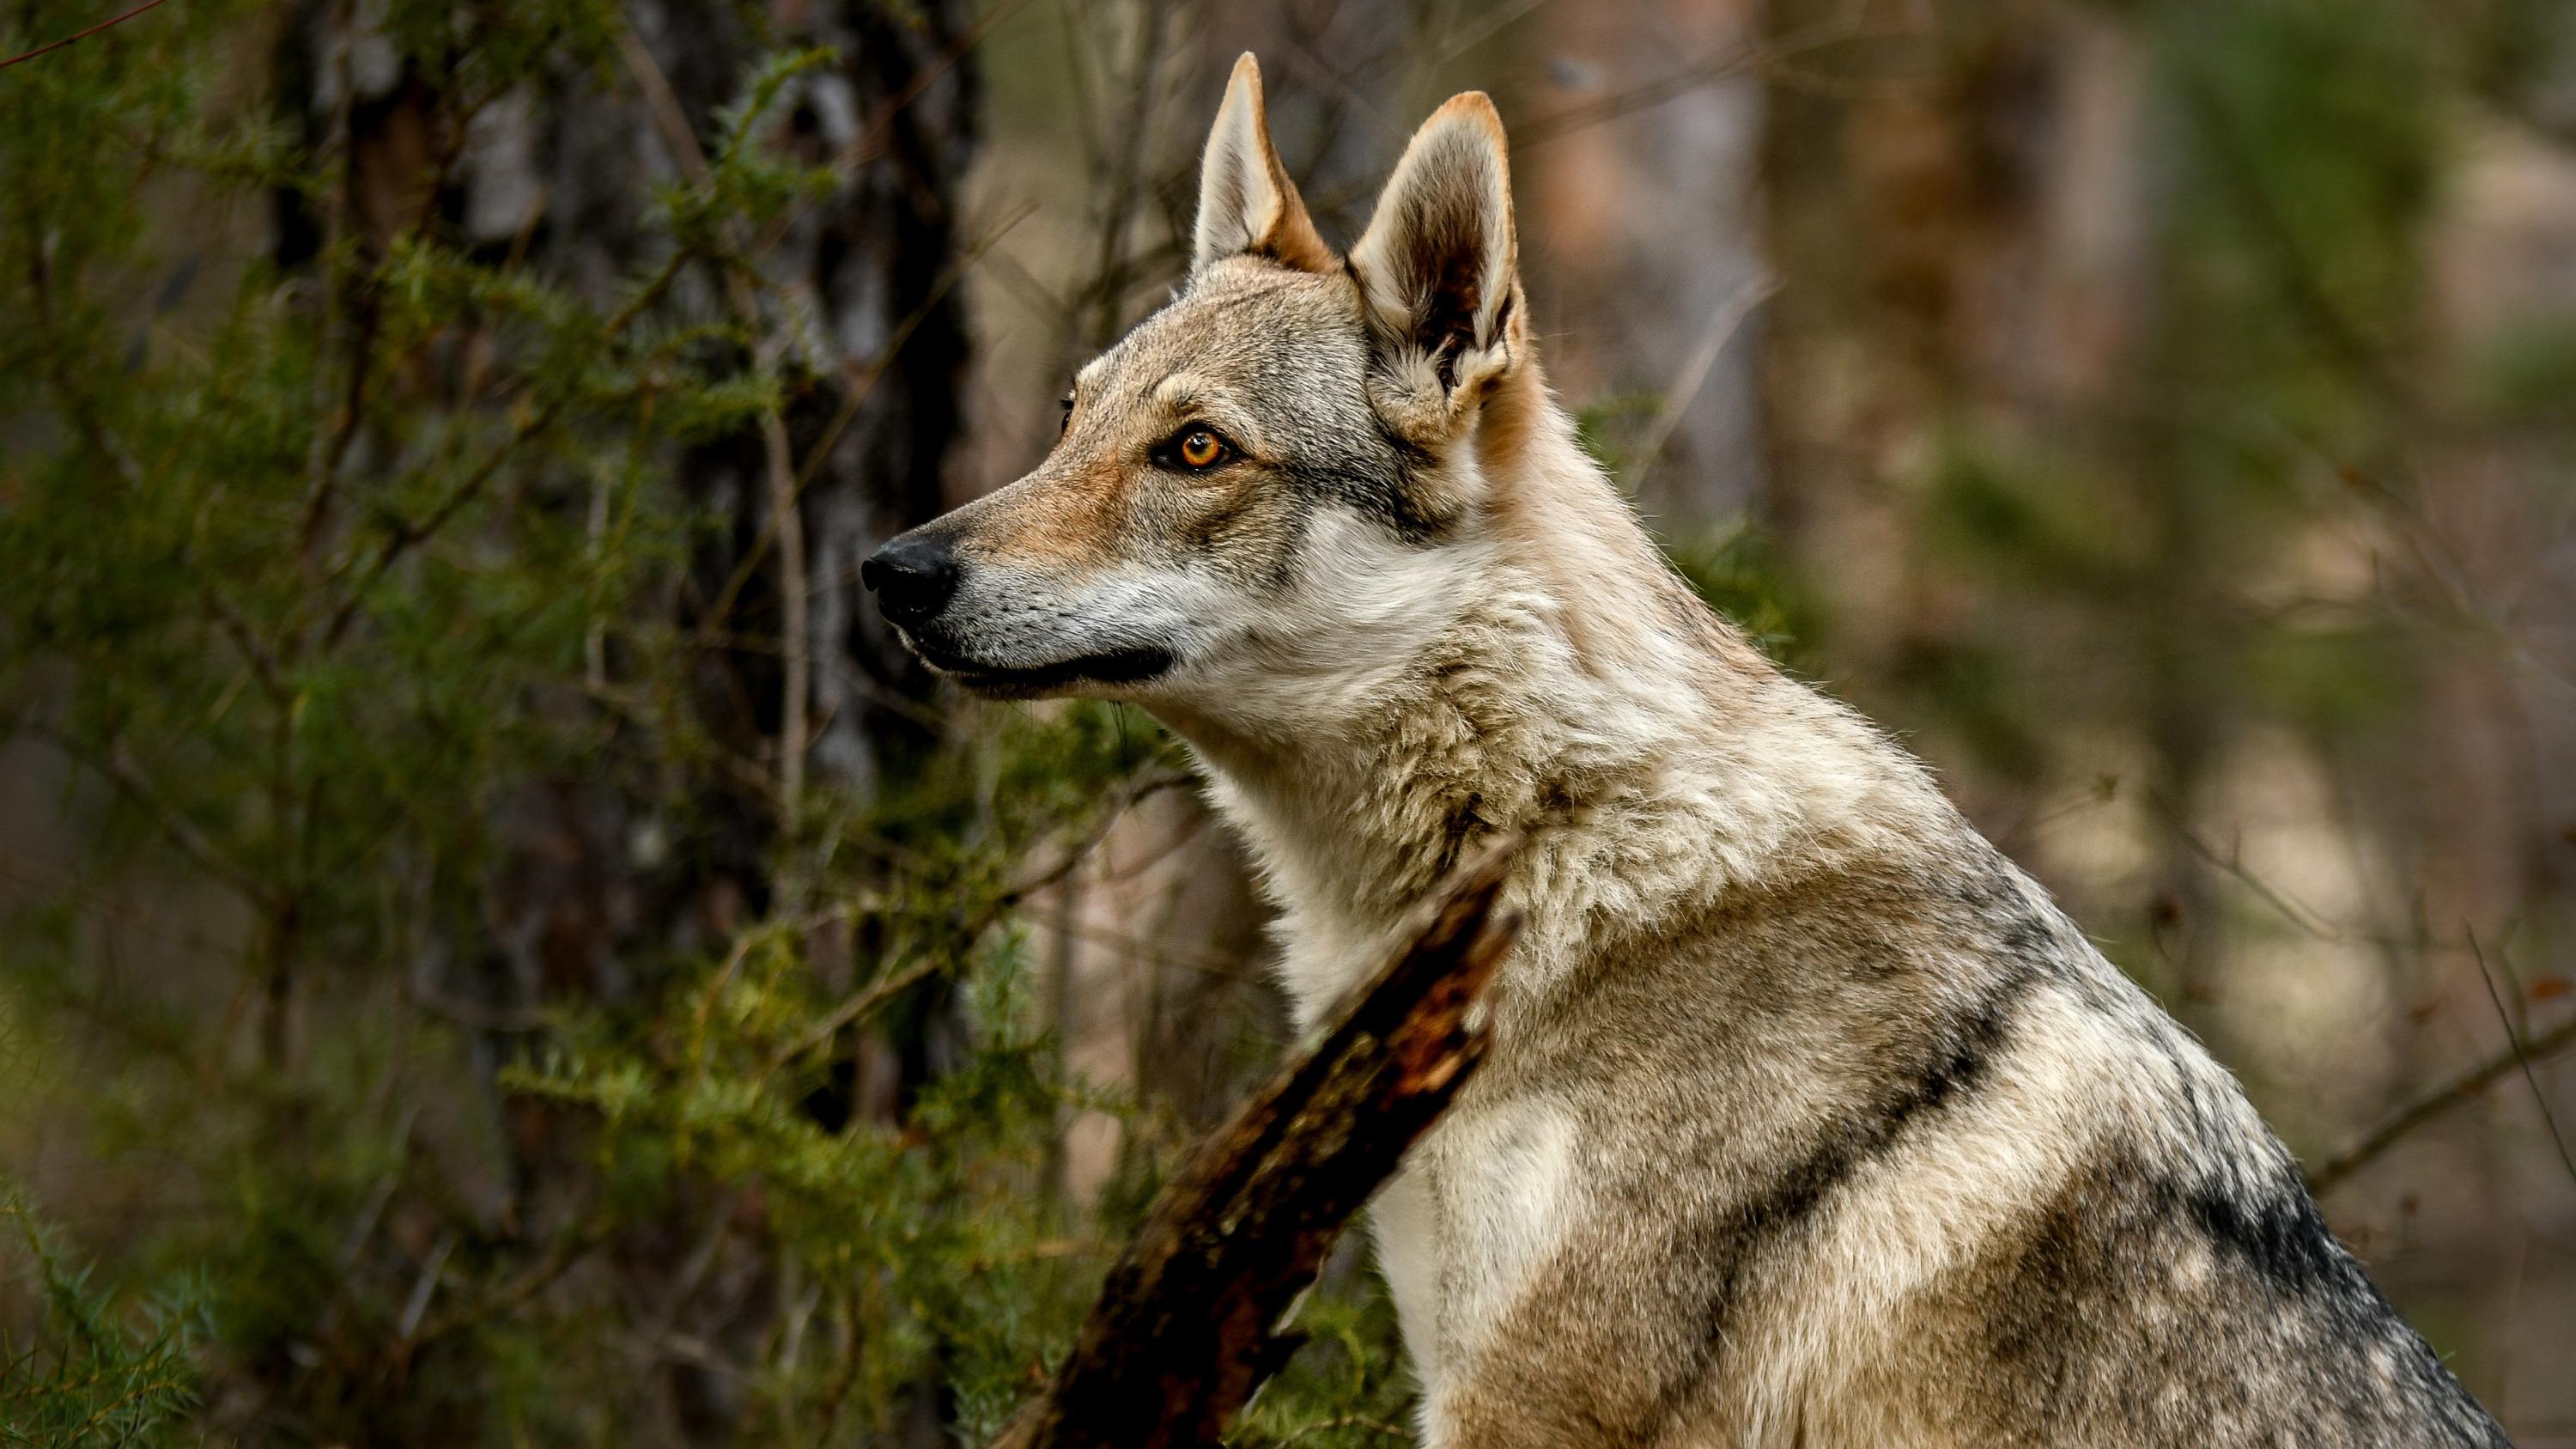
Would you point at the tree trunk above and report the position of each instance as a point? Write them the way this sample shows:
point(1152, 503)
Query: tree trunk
point(856, 308)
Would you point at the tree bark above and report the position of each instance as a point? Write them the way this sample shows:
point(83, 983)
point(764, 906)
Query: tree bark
point(856, 308)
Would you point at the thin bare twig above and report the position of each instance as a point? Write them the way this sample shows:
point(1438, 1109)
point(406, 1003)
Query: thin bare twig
point(2522, 1057)
point(1751, 59)
point(786, 516)
point(865, 1002)
point(2309, 921)
point(567, 1252)
point(855, 398)
point(1723, 320)
point(427, 1287)
point(1126, 177)
point(2439, 562)
point(2334, 1170)
point(113, 20)
point(506, 1020)
point(858, 1008)
point(1137, 792)
point(1455, 45)
point(117, 765)
point(78, 406)
point(409, 534)
point(2519, 1051)
point(870, 144)
point(255, 651)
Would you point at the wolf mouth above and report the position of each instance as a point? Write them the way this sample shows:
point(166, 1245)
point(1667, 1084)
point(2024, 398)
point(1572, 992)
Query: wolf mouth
point(1109, 666)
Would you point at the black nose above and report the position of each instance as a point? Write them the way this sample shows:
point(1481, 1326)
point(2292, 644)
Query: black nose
point(912, 577)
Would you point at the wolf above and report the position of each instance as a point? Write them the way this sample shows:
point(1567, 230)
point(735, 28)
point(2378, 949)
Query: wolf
point(1808, 1118)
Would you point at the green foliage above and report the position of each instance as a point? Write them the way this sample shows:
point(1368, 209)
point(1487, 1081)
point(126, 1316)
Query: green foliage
point(312, 606)
point(2528, 376)
point(1602, 428)
point(322, 566)
point(2037, 522)
point(101, 1372)
point(2296, 165)
point(1347, 1388)
point(1740, 574)
point(947, 1251)
point(934, 1228)
point(1738, 570)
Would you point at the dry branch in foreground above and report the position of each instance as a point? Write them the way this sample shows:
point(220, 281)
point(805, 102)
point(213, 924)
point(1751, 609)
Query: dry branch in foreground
point(1186, 1326)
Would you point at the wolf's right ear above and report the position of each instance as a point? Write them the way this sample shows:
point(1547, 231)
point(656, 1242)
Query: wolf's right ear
point(1246, 201)
point(1440, 269)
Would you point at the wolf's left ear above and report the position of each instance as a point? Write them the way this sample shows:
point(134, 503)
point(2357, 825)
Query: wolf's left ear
point(1246, 201)
point(1440, 263)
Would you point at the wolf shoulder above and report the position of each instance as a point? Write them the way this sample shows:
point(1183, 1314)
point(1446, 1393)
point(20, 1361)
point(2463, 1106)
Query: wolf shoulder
point(1907, 1126)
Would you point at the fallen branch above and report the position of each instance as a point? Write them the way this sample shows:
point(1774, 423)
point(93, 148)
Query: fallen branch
point(1188, 1322)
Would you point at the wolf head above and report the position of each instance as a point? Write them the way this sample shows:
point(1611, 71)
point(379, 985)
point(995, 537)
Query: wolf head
point(1267, 484)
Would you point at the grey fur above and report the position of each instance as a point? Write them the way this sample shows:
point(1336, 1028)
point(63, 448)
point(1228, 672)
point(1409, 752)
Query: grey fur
point(1810, 1119)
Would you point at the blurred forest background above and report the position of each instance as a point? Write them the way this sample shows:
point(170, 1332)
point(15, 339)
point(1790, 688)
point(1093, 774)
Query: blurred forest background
point(498, 947)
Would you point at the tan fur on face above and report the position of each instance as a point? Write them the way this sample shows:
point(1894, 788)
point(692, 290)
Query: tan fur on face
point(1068, 528)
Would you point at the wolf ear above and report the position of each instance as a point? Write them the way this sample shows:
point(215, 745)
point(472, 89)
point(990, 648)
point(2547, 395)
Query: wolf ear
point(1246, 201)
point(1440, 263)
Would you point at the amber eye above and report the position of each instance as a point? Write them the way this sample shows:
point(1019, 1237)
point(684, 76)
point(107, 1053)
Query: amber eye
point(1196, 448)
point(1200, 448)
